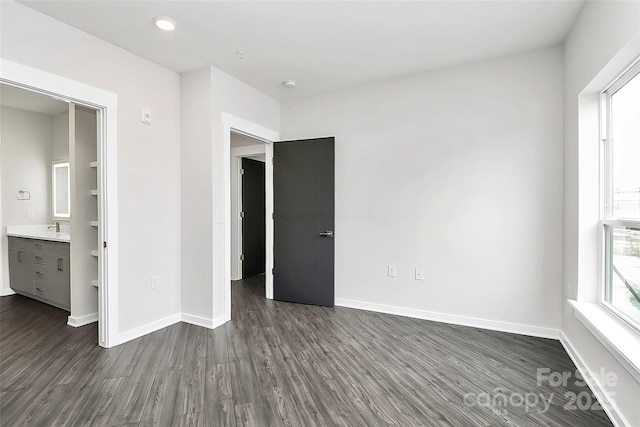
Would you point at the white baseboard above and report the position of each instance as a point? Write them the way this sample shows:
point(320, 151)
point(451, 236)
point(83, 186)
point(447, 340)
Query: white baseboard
point(168, 321)
point(149, 328)
point(76, 322)
point(204, 322)
point(6, 292)
point(196, 320)
point(592, 380)
point(221, 320)
point(514, 328)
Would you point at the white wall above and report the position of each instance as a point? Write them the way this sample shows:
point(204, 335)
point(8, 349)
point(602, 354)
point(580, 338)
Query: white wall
point(148, 155)
point(25, 164)
point(457, 171)
point(60, 136)
point(203, 198)
point(600, 31)
point(197, 193)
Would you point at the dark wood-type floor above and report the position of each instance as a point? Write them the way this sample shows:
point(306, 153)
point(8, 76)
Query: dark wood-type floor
point(278, 364)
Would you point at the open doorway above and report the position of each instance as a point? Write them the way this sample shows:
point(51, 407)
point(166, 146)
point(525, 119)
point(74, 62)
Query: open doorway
point(248, 207)
point(92, 117)
point(232, 127)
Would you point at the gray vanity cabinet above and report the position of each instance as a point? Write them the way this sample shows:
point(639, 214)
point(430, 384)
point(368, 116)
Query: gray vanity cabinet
point(40, 269)
point(20, 269)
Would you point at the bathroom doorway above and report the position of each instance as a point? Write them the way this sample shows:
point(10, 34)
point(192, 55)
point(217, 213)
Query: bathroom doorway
point(91, 111)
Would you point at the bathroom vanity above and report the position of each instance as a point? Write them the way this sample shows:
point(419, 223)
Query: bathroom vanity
point(39, 264)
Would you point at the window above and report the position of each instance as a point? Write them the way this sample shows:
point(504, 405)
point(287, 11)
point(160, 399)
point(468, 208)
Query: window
point(620, 127)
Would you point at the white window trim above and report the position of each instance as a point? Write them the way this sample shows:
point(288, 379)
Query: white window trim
point(607, 220)
point(615, 335)
point(622, 341)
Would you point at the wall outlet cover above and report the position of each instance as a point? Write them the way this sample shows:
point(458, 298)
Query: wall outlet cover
point(391, 271)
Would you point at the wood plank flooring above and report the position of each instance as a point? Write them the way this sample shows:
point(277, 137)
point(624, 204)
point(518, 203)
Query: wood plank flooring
point(280, 364)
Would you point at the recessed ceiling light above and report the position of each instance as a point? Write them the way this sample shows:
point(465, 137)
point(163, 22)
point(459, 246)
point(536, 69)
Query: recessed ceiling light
point(165, 23)
point(290, 84)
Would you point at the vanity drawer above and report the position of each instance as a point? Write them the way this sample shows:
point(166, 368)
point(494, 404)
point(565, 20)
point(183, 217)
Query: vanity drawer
point(42, 290)
point(40, 273)
point(36, 245)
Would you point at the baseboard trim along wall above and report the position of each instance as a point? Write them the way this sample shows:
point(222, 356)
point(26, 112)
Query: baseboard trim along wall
point(149, 328)
point(76, 322)
point(6, 292)
point(514, 328)
point(168, 321)
point(197, 320)
point(592, 380)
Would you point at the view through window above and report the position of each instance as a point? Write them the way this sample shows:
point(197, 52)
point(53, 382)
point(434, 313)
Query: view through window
point(621, 122)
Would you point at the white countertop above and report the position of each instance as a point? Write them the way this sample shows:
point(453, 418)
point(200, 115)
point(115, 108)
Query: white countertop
point(40, 232)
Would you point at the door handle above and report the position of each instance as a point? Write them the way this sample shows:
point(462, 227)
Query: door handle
point(327, 233)
point(60, 265)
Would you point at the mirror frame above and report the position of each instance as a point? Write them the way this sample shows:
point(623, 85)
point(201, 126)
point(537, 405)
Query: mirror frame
point(56, 164)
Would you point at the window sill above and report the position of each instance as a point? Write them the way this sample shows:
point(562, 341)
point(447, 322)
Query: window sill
point(622, 341)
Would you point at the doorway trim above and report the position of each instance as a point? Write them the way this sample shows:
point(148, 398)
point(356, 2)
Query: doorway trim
point(106, 105)
point(268, 136)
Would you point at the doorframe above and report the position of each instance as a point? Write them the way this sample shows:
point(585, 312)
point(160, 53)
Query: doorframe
point(237, 154)
point(106, 105)
point(268, 136)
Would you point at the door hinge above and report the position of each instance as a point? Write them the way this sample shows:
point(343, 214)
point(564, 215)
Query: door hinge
point(241, 171)
point(104, 244)
point(273, 215)
point(273, 271)
point(241, 214)
point(273, 160)
point(242, 257)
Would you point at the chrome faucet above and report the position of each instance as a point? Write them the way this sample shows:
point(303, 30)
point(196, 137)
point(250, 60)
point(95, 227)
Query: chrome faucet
point(57, 227)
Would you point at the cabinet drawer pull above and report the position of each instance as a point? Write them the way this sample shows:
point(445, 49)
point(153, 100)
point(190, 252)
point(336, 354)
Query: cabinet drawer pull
point(38, 258)
point(19, 256)
point(39, 289)
point(38, 245)
point(60, 264)
point(39, 273)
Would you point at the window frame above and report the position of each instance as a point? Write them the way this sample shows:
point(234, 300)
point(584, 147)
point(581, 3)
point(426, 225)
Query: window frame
point(607, 221)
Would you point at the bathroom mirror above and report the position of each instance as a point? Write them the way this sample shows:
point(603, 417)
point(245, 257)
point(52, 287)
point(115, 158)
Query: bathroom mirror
point(61, 190)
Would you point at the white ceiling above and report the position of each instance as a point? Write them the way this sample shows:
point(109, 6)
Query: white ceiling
point(29, 101)
point(325, 46)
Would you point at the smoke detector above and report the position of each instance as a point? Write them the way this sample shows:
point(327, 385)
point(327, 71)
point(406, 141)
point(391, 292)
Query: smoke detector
point(290, 84)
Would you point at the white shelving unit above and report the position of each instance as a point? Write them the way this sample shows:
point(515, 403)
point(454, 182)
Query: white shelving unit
point(94, 223)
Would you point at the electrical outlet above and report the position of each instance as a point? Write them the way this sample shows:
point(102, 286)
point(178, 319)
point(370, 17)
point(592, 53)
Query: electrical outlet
point(154, 282)
point(419, 273)
point(391, 271)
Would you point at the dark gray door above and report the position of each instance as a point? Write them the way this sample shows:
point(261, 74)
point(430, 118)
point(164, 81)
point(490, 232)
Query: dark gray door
point(253, 221)
point(303, 193)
